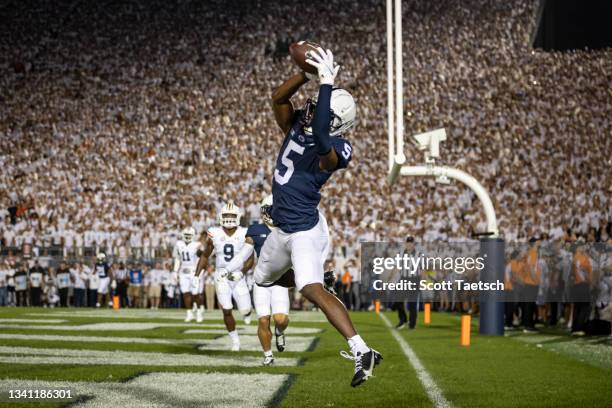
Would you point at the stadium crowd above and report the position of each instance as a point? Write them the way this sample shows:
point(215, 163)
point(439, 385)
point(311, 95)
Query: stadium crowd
point(122, 123)
point(43, 282)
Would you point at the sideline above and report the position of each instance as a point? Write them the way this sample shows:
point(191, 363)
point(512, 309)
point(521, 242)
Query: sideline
point(431, 388)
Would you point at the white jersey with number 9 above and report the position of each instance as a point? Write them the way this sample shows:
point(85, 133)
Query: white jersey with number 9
point(226, 246)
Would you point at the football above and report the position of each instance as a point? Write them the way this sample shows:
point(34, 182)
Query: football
point(298, 51)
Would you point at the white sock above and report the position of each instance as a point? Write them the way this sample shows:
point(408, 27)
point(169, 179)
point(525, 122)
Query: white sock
point(202, 308)
point(234, 335)
point(268, 353)
point(195, 306)
point(357, 344)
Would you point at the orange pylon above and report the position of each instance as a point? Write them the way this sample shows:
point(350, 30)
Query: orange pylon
point(466, 321)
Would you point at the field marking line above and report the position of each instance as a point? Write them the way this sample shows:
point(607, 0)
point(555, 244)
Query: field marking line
point(165, 314)
point(431, 388)
point(42, 321)
point(188, 328)
point(171, 389)
point(248, 342)
point(38, 355)
point(252, 329)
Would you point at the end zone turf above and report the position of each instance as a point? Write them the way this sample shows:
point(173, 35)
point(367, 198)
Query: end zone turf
point(518, 370)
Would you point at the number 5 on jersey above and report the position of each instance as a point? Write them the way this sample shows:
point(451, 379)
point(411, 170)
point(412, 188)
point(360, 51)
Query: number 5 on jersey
point(287, 162)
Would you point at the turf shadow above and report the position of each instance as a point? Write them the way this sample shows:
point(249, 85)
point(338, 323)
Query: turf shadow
point(281, 393)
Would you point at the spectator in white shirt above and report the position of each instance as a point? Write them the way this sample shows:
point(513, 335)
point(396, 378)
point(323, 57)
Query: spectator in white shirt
point(78, 278)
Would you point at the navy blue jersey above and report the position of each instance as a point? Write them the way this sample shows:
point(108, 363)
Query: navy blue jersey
point(102, 269)
point(298, 178)
point(258, 232)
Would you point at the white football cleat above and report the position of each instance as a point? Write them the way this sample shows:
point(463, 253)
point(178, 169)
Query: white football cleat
point(199, 316)
point(236, 346)
point(189, 316)
point(247, 319)
point(268, 360)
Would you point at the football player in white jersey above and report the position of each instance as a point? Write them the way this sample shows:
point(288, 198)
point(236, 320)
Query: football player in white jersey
point(270, 302)
point(185, 262)
point(227, 241)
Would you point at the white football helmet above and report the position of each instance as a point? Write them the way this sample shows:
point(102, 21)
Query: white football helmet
point(230, 215)
point(265, 209)
point(343, 109)
point(188, 234)
point(101, 257)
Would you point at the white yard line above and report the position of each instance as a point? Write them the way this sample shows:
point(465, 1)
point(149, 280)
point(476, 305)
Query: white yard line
point(431, 388)
point(251, 343)
point(40, 321)
point(252, 329)
point(248, 342)
point(33, 355)
point(191, 328)
point(168, 314)
point(161, 390)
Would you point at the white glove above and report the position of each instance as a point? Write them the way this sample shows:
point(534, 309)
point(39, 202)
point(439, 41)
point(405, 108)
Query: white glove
point(310, 76)
point(235, 276)
point(222, 273)
point(114, 284)
point(323, 61)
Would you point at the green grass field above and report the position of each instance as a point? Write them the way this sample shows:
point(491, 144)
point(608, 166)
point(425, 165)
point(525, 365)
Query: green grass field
point(549, 369)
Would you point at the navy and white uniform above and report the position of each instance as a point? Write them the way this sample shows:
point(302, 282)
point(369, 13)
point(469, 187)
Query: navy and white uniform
point(101, 270)
point(272, 299)
point(302, 238)
point(298, 179)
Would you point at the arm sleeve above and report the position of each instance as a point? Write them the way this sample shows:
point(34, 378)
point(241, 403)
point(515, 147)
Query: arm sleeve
point(240, 258)
point(322, 119)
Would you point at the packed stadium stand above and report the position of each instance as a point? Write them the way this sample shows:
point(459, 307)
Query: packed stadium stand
point(123, 122)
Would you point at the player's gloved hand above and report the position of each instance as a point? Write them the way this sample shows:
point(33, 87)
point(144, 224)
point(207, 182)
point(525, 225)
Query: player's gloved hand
point(310, 76)
point(222, 273)
point(114, 284)
point(235, 276)
point(323, 61)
